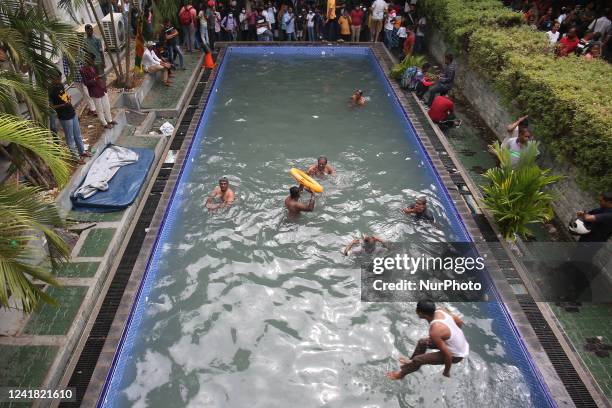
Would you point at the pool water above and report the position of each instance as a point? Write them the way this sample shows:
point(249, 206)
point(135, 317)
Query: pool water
point(247, 307)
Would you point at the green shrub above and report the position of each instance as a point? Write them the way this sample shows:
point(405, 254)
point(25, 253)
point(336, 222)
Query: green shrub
point(409, 61)
point(490, 48)
point(567, 109)
point(567, 99)
point(459, 19)
point(515, 195)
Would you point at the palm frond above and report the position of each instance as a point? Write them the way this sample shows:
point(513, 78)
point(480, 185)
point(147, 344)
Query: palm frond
point(25, 216)
point(38, 140)
point(13, 85)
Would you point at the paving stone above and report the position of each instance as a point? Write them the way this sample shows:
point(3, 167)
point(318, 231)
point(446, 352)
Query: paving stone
point(593, 320)
point(25, 366)
point(56, 320)
point(97, 242)
point(78, 270)
point(161, 96)
point(87, 216)
point(138, 141)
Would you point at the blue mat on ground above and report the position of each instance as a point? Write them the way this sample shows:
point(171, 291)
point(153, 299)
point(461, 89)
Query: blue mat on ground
point(123, 188)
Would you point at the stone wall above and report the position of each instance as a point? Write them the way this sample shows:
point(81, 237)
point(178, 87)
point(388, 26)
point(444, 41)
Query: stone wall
point(570, 198)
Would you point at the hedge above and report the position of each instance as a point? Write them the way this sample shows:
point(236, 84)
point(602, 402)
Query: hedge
point(567, 99)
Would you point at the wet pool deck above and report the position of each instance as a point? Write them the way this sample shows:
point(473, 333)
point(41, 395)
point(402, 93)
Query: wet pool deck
point(28, 358)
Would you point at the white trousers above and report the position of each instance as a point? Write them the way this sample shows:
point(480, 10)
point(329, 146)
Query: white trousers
point(103, 109)
point(86, 97)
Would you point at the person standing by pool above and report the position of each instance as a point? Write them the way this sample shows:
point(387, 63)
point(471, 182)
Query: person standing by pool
point(289, 19)
point(223, 192)
point(321, 168)
point(445, 335)
point(293, 204)
point(367, 246)
point(419, 209)
point(378, 9)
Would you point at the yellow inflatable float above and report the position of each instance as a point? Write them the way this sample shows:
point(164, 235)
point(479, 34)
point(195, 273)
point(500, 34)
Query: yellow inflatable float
point(308, 182)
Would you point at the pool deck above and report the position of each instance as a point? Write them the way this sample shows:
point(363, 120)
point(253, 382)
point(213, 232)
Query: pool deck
point(46, 332)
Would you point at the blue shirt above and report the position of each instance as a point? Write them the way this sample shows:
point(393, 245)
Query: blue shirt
point(289, 23)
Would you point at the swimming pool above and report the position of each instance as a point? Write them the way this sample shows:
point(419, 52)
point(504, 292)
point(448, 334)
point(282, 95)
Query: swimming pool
point(248, 307)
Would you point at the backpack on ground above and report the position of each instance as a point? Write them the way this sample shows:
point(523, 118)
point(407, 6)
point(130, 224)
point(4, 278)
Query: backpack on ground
point(409, 78)
point(185, 16)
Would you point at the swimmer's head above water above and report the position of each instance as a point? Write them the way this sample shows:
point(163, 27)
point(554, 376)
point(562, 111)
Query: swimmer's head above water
point(321, 163)
point(294, 192)
point(223, 183)
point(420, 204)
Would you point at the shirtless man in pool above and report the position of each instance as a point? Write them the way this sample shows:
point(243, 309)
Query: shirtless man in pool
point(225, 194)
point(293, 204)
point(321, 168)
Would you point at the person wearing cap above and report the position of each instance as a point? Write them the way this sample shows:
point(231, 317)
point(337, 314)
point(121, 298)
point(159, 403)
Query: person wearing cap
point(222, 193)
point(152, 64)
point(419, 209)
point(321, 168)
point(357, 99)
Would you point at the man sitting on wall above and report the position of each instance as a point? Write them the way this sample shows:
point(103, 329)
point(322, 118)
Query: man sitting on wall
point(446, 81)
point(151, 63)
point(442, 111)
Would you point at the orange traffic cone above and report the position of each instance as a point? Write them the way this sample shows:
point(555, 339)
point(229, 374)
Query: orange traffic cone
point(208, 61)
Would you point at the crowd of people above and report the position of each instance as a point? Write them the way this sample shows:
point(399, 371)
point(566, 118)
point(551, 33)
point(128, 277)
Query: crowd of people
point(579, 29)
point(397, 24)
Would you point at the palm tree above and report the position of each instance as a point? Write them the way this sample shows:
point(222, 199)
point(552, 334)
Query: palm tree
point(26, 216)
point(516, 195)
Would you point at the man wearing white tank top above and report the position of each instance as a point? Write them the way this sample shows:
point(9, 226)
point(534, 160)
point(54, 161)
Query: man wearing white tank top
point(445, 335)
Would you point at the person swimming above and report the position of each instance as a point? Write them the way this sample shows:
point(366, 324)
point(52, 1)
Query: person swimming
point(419, 209)
point(293, 204)
point(367, 246)
point(321, 168)
point(357, 99)
point(223, 192)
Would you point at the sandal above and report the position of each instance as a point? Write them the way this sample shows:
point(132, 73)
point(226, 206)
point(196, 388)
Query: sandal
point(112, 122)
point(86, 154)
point(108, 126)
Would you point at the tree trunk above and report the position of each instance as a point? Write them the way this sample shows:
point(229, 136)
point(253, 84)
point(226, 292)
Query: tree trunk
point(128, 48)
point(120, 78)
point(15, 162)
point(99, 23)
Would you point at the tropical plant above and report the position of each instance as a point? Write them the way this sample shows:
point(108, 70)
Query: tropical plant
point(32, 40)
point(26, 217)
point(567, 99)
point(409, 61)
point(515, 195)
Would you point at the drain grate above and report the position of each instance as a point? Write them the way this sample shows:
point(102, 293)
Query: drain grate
point(84, 369)
point(561, 363)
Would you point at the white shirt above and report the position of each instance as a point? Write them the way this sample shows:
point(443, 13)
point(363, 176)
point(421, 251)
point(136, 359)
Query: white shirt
point(553, 37)
point(149, 58)
point(401, 32)
point(561, 18)
point(271, 11)
point(378, 9)
point(389, 21)
point(456, 343)
point(310, 18)
point(421, 27)
point(601, 25)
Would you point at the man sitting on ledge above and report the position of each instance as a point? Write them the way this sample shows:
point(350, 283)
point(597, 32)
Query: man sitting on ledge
point(152, 64)
point(442, 111)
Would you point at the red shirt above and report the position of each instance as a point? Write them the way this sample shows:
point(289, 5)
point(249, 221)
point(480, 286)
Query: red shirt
point(440, 108)
point(568, 46)
point(356, 17)
point(95, 86)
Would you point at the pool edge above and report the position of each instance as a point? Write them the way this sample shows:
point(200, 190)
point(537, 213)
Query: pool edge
point(157, 223)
